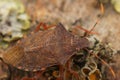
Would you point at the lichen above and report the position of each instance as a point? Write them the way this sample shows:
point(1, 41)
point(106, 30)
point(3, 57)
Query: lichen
point(13, 21)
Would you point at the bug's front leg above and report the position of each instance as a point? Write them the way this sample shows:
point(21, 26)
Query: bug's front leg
point(61, 73)
point(74, 73)
point(44, 26)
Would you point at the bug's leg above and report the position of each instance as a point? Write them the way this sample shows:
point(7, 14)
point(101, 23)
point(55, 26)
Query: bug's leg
point(61, 73)
point(74, 73)
point(44, 26)
point(85, 30)
point(38, 27)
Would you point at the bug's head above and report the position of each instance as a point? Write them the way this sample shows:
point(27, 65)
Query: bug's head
point(81, 43)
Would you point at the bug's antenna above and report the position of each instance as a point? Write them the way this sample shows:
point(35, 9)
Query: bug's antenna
point(94, 26)
point(102, 10)
point(101, 15)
